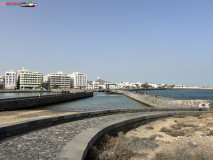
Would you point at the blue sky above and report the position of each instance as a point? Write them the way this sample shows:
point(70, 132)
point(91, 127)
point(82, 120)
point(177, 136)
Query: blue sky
point(159, 41)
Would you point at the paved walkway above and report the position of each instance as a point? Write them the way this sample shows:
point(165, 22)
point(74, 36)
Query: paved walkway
point(8, 117)
point(47, 143)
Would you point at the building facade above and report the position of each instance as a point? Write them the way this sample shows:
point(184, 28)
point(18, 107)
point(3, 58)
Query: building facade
point(78, 80)
point(10, 80)
point(96, 85)
point(59, 80)
point(29, 80)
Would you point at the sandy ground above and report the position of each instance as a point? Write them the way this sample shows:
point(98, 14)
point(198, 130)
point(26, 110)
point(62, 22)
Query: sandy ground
point(183, 137)
point(196, 131)
point(9, 117)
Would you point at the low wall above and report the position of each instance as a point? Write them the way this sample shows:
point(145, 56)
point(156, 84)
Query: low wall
point(79, 146)
point(66, 90)
point(14, 129)
point(23, 91)
point(162, 102)
point(32, 102)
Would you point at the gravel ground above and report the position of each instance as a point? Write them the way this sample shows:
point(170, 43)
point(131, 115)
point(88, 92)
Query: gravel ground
point(47, 143)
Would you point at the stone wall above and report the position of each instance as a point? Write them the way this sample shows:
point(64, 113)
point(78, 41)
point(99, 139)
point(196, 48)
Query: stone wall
point(23, 91)
point(162, 102)
point(33, 102)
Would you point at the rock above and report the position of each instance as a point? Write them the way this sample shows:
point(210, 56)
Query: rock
point(159, 136)
point(203, 134)
point(192, 144)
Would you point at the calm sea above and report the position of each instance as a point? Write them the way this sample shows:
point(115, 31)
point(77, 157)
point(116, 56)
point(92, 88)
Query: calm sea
point(104, 101)
point(100, 101)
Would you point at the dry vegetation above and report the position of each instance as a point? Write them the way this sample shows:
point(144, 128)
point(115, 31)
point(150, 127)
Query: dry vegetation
point(111, 148)
point(182, 137)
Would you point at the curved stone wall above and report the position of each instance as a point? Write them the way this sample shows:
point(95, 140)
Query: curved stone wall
point(32, 102)
point(79, 146)
point(162, 102)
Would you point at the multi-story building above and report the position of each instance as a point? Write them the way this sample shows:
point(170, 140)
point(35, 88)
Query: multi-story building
point(78, 80)
point(89, 86)
point(59, 79)
point(96, 85)
point(29, 80)
point(10, 80)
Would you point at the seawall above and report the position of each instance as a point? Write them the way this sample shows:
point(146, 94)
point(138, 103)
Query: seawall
point(162, 102)
point(23, 91)
point(33, 102)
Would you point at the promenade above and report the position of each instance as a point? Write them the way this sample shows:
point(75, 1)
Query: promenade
point(9, 117)
point(48, 142)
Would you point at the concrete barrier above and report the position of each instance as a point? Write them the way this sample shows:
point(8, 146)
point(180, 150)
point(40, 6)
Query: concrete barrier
point(38, 101)
point(162, 102)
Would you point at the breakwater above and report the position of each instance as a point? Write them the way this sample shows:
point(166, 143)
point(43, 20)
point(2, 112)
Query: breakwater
point(38, 101)
point(162, 102)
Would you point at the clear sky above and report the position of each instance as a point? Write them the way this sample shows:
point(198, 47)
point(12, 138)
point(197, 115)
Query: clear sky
point(159, 41)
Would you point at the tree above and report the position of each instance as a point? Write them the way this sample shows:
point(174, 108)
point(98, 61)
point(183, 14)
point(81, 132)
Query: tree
point(45, 86)
point(55, 86)
point(1, 86)
point(145, 86)
point(172, 86)
point(165, 86)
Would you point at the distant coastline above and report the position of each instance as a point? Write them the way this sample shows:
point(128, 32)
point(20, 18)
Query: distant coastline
point(192, 88)
point(175, 89)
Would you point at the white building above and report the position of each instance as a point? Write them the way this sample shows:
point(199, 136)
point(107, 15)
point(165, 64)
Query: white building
point(10, 80)
point(78, 80)
point(45, 79)
point(179, 86)
point(89, 86)
point(28, 79)
point(96, 85)
point(59, 79)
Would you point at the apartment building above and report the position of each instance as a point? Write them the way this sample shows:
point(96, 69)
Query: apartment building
point(10, 80)
point(28, 79)
point(78, 80)
point(59, 79)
